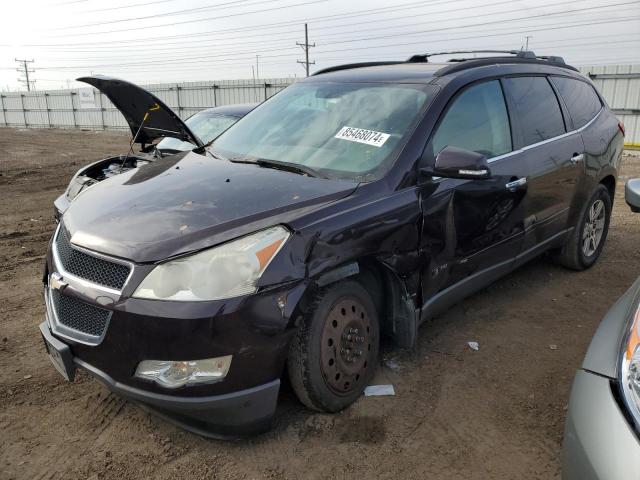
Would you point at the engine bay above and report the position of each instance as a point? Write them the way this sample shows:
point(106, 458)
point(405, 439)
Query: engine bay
point(106, 168)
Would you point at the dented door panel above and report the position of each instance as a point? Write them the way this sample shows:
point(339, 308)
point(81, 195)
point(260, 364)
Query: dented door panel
point(471, 226)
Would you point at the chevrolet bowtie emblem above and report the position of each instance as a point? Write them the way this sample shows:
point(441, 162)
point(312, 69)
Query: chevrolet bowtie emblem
point(56, 281)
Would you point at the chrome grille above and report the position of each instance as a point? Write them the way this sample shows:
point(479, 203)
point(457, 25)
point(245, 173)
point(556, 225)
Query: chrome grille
point(88, 267)
point(79, 316)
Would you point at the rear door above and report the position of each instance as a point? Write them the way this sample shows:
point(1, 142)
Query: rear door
point(554, 157)
point(596, 128)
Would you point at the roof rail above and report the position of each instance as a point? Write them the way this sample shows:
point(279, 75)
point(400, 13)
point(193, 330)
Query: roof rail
point(518, 53)
point(348, 66)
point(457, 64)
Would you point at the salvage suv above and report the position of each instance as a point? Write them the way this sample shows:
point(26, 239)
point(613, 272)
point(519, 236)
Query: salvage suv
point(357, 203)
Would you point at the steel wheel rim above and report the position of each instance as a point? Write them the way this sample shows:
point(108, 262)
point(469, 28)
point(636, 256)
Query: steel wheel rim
point(346, 346)
point(593, 228)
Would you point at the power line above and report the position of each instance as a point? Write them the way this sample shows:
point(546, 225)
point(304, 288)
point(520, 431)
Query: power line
point(200, 58)
point(252, 28)
point(368, 12)
point(305, 46)
point(559, 14)
point(220, 6)
point(195, 20)
point(66, 3)
point(279, 40)
point(128, 6)
point(24, 70)
point(576, 10)
point(221, 46)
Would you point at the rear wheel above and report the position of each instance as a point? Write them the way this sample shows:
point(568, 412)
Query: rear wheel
point(334, 354)
point(585, 244)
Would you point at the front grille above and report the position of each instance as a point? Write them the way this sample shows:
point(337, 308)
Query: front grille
point(96, 270)
point(80, 316)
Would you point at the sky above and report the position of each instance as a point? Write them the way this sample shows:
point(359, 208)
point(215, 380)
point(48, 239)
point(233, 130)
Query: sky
point(154, 41)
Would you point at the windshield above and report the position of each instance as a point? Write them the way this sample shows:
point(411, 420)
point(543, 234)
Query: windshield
point(343, 130)
point(206, 126)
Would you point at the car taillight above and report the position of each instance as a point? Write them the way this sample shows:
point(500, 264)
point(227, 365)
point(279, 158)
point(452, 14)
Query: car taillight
point(621, 127)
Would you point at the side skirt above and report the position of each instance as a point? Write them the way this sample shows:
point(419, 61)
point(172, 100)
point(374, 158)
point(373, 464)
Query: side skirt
point(444, 299)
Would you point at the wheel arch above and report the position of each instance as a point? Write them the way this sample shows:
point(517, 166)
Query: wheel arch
point(609, 181)
point(396, 311)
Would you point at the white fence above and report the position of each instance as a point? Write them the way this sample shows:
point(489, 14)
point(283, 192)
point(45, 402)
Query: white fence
point(64, 108)
point(620, 85)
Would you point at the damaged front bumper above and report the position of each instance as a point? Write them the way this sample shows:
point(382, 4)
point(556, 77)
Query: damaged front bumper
point(234, 414)
point(255, 330)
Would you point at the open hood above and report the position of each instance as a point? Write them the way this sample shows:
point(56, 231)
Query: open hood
point(135, 103)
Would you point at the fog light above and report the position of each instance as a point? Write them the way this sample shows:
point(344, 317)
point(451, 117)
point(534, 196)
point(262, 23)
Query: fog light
point(174, 374)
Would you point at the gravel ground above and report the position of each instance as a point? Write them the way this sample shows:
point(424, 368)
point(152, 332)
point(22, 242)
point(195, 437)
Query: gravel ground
point(493, 413)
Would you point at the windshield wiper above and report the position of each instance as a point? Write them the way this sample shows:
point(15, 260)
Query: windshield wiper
point(279, 165)
point(203, 148)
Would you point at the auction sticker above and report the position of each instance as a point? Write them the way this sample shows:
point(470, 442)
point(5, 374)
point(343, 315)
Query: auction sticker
point(361, 135)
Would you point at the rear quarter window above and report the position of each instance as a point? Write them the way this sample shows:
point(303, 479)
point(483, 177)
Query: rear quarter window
point(536, 108)
point(580, 98)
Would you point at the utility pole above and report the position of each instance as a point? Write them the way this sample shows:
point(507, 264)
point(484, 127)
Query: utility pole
point(526, 38)
point(257, 67)
point(24, 69)
point(305, 46)
point(253, 72)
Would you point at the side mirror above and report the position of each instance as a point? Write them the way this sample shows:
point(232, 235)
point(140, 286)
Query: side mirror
point(453, 162)
point(632, 194)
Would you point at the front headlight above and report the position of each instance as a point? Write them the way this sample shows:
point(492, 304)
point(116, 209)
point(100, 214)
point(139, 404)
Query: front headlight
point(75, 186)
point(630, 371)
point(228, 270)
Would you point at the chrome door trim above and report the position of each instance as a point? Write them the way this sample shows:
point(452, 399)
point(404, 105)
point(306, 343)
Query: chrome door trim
point(513, 186)
point(577, 158)
point(543, 142)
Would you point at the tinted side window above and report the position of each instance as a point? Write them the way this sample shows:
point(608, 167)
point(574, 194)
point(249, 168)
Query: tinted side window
point(476, 120)
point(536, 107)
point(581, 100)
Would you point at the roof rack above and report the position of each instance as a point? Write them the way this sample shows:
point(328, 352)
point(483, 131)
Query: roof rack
point(457, 64)
point(518, 53)
point(347, 66)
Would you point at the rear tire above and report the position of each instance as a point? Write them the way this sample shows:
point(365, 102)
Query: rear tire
point(334, 353)
point(585, 244)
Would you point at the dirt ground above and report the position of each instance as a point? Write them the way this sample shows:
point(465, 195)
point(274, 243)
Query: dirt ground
point(496, 413)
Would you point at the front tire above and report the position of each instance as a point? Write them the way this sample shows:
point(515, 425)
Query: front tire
point(585, 244)
point(334, 354)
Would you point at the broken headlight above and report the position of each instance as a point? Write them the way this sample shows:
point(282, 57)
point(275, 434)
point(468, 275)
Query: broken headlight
point(77, 184)
point(228, 270)
point(630, 368)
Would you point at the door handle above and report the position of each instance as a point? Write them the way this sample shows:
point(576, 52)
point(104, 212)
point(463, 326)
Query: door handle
point(515, 184)
point(577, 158)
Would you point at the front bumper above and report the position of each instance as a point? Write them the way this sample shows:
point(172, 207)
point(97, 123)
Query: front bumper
point(255, 330)
point(245, 412)
point(599, 443)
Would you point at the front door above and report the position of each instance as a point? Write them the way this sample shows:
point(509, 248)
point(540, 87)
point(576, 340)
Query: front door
point(472, 229)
